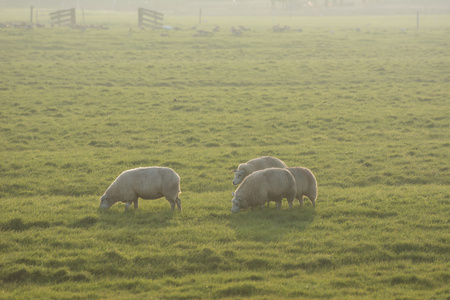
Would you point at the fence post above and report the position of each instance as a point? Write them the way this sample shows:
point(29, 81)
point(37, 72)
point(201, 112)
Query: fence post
point(149, 18)
point(417, 22)
point(139, 17)
point(73, 17)
point(200, 16)
point(31, 15)
point(84, 20)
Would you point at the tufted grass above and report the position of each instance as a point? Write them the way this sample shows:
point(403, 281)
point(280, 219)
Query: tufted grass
point(366, 111)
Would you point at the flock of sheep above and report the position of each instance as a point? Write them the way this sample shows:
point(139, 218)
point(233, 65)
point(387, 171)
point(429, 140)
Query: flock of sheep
point(261, 180)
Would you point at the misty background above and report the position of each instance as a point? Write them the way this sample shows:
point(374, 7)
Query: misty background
point(246, 7)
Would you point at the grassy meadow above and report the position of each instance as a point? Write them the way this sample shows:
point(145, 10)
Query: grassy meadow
point(366, 110)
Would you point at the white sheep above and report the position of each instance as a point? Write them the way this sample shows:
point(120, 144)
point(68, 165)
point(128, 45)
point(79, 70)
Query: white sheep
point(306, 184)
point(256, 164)
point(260, 187)
point(147, 183)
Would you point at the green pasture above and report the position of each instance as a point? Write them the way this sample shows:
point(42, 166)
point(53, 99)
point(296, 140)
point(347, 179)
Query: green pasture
point(366, 110)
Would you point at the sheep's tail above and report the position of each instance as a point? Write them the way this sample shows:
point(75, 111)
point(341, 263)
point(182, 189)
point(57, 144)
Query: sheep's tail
point(314, 193)
point(312, 189)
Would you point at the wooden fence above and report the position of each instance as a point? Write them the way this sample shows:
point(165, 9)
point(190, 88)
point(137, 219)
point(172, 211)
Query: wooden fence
point(149, 18)
point(63, 17)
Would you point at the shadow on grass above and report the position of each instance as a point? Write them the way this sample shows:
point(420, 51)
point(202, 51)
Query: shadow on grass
point(154, 219)
point(270, 224)
point(86, 222)
point(17, 224)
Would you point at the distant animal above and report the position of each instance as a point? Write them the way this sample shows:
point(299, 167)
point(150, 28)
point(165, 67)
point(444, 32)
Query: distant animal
point(236, 32)
point(147, 183)
point(260, 187)
point(306, 184)
point(202, 33)
point(256, 164)
point(243, 28)
point(278, 28)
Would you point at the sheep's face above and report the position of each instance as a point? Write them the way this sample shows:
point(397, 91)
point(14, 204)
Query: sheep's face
point(238, 204)
point(104, 203)
point(239, 175)
point(235, 208)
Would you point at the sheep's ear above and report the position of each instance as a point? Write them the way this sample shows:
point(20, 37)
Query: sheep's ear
point(232, 193)
point(234, 171)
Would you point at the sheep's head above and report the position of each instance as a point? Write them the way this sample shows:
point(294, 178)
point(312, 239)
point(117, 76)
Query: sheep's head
point(238, 204)
point(104, 203)
point(239, 175)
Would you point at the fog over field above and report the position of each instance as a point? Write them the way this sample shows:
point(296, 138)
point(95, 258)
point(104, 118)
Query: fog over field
point(248, 7)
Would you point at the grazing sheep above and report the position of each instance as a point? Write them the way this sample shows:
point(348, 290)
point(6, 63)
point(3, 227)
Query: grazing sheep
point(306, 184)
point(256, 164)
point(236, 32)
point(272, 184)
point(148, 183)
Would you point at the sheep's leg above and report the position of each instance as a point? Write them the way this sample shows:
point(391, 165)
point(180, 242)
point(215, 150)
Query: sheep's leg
point(172, 203)
point(300, 200)
point(278, 204)
point(290, 203)
point(290, 200)
point(178, 201)
point(261, 206)
point(136, 204)
point(127, 205)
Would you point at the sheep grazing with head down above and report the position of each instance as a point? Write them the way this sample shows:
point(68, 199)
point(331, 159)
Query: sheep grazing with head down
point(306, 184)
point(256, 164)
point(260, 187)
point(146, 183)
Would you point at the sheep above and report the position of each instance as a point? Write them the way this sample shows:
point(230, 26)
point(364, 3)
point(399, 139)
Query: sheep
point(306, 184)
point(147, 183)
point(256, 164)
point(272, 184)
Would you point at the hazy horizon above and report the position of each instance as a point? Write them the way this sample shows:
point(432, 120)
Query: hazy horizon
point(248, 7)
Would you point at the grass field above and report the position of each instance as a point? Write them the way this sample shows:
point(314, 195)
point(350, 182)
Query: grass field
point(367, 111)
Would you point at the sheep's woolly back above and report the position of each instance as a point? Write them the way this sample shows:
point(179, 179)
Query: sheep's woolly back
point(261, 163)
point(312, 187)
point(306, 183)
point(249, 191)
point(260, 186)
point(144, 182)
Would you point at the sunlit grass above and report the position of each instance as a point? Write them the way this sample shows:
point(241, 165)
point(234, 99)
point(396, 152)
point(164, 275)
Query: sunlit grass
point(365, 110)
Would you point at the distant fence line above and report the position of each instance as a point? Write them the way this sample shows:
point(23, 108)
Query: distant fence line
point(149, 18)
point(65, 17)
